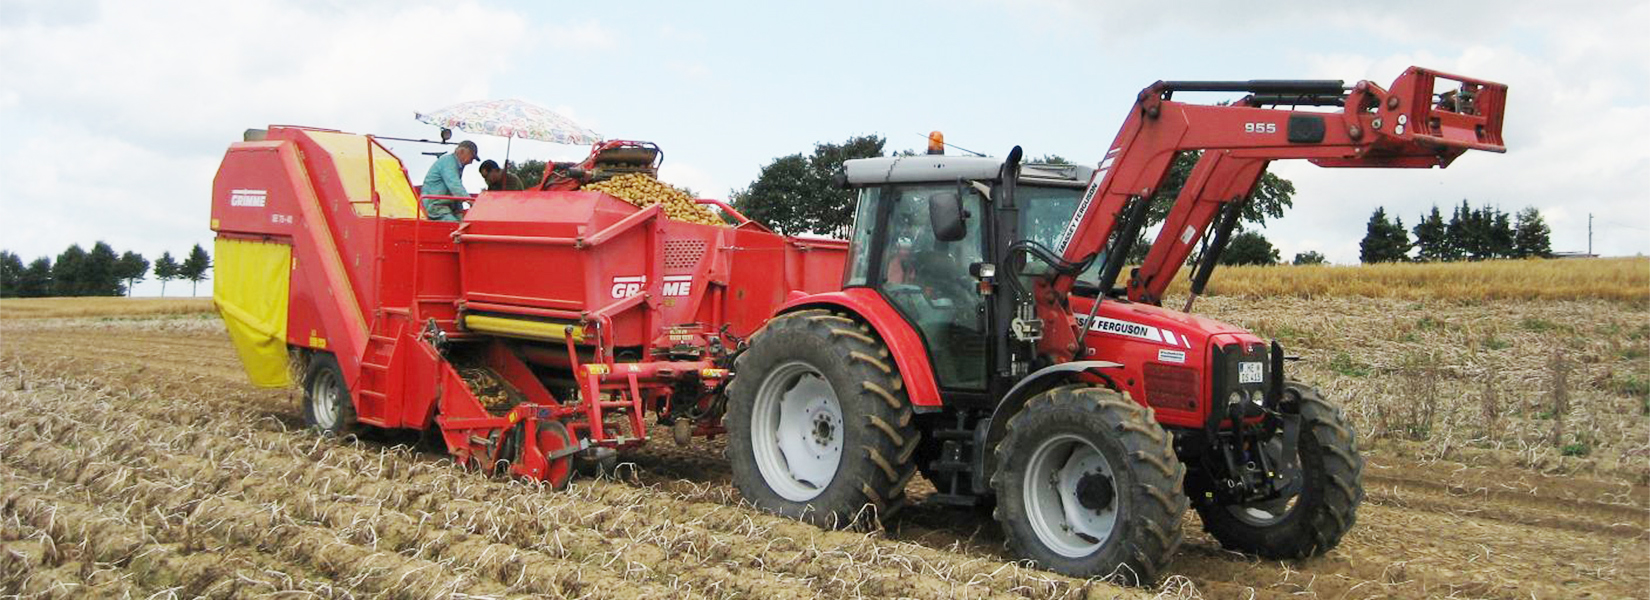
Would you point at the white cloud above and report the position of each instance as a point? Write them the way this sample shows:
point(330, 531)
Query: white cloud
point(117, 113)
point(685, 175)
point(1576, 110)
point(584, 35)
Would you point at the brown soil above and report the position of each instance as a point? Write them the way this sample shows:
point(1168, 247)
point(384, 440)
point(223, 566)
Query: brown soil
point(137, 461)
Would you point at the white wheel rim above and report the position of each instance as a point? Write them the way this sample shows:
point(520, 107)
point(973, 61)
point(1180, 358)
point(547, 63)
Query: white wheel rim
point(324, 392)
point(796, 431)
point(1050, 494)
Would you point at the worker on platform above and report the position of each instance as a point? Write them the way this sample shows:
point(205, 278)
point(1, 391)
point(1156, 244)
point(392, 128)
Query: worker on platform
point(446, 178)
point(499, 179)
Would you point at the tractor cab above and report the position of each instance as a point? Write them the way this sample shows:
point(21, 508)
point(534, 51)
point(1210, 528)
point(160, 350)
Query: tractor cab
point(929, 271)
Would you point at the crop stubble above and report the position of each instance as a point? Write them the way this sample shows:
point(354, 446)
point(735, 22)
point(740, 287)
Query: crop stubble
point(137, 461)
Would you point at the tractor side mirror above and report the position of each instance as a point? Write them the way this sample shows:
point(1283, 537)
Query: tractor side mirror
point(945, 215)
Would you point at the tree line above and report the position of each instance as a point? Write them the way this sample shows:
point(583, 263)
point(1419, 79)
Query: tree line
point(794, 194)
point(1470, 234)
point(98, 272)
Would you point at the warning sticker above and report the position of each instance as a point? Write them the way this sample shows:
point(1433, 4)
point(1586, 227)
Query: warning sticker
point(1174, 356)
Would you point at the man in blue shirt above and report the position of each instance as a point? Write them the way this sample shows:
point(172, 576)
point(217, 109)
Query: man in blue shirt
point(445, 178)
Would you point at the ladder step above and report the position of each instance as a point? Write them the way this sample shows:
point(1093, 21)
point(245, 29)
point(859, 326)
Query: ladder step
point(374, 394)
point(382, 338)
point(368, 365)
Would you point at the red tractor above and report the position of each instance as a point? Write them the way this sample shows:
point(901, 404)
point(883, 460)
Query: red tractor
point(972, 329)
point(981, 338)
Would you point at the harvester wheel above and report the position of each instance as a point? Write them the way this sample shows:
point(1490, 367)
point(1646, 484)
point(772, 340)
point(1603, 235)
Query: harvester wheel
point(819, 427)
point(1314, 521)
point(554, 437)
point(327, 404)
point(1088, 485)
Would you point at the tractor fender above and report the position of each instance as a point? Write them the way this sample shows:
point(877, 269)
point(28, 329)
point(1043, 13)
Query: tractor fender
point(903, 342)
point(996, 426)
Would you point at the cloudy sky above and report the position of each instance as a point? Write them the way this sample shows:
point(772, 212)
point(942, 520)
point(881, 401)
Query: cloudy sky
point(115, 114)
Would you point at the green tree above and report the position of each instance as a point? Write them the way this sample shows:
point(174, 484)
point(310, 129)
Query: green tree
point(133, 267)
point(1501, 237)
point(194, 267)
point(101, 272)
point(1052, 159)
point(68, 272)
point(166, 269)
point(1249, 248)
point(530, 172)
point(1309, 257)
point(36, 281)
point(1384, 240)
point(1432, 241)
point(794, 194)
point(1531, 235)
point(11, 274)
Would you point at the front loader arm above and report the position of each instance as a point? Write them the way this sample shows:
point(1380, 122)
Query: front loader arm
point(1407, 127)
point(1217, 182)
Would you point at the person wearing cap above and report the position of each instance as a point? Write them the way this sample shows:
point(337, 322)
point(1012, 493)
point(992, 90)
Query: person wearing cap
point(499, 179)
point(446, 178)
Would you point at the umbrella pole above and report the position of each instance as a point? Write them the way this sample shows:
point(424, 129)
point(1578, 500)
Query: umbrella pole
point(507, 142)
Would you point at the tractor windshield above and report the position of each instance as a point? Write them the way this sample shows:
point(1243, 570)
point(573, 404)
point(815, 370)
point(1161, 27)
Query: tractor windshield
point(1045, 211)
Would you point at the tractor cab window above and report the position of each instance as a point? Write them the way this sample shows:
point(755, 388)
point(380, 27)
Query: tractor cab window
point(859, 246)
point(927, 280)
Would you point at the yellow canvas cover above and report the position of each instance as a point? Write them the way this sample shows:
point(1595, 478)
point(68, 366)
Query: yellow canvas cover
point(250, 285)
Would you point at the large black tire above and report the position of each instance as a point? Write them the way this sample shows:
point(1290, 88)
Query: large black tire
point(1331, 489)
point(1143, 492)
point(327, 404)
point(878, 438)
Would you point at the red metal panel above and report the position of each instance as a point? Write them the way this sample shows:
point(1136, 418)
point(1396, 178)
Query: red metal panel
point(1139, 335)
point(903, 342)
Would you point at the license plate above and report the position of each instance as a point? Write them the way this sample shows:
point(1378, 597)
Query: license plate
point(1251, 372)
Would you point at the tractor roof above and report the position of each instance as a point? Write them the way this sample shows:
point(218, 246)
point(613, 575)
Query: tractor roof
point(930, 168)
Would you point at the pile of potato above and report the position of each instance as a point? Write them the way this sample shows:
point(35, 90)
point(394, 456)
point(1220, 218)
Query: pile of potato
point(641, 190)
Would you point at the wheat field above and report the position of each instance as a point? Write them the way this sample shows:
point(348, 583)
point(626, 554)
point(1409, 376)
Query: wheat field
point(1614, 279)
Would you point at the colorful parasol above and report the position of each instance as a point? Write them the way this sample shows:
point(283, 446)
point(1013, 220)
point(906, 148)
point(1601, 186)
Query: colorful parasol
point(511, 119)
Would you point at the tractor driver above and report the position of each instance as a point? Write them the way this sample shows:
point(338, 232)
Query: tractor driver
point(446, 178)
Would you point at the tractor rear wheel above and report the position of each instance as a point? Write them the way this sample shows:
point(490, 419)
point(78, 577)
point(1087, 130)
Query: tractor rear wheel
point(819, 427)
point(1312, 522)
point(327, 404)
point(1088, 485)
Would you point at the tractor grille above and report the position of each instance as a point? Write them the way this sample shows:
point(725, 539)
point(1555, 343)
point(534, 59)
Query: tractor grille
point(683, 254)
point(1171, 387)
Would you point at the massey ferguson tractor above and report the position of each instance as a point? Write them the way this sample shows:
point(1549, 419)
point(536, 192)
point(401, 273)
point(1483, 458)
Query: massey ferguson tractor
point(976, 328)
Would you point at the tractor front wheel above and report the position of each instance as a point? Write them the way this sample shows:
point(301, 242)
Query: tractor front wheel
point(819, 427)
point(1313, 521)
point(1088, 485)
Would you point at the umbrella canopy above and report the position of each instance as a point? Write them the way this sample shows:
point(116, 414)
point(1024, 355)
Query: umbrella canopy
point(511, 119)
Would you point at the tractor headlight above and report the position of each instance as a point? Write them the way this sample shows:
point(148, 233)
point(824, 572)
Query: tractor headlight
point(1258, 397)
point(1236, 399)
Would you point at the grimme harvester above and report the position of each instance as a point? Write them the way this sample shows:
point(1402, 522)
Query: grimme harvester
point(972, 329)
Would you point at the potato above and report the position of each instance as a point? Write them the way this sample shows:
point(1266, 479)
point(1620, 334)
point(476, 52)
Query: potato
point(641, 190)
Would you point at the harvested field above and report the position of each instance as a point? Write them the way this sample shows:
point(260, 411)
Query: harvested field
point(137, 462)
point(60, 308)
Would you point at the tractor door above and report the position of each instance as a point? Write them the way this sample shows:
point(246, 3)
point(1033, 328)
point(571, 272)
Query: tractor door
point(927, 280)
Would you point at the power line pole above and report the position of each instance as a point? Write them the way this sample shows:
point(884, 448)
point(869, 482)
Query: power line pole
point(1589, 234)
